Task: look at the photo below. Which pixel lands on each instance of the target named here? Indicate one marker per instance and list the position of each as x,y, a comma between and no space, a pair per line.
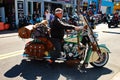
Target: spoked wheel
103,59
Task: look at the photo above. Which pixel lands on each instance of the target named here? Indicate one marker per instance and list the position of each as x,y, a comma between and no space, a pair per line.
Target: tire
101,61
109,26
116,25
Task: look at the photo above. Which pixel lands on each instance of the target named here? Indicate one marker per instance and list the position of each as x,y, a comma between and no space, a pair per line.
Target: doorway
34,8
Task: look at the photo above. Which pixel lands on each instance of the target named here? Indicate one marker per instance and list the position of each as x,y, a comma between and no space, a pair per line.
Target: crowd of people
92,18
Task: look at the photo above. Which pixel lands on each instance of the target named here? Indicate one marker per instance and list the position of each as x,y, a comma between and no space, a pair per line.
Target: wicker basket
25,32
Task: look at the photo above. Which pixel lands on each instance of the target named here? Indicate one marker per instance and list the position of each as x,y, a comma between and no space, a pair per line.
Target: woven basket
25,32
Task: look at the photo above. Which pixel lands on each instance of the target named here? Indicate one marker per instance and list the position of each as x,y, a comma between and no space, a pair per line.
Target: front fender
93,55
105,47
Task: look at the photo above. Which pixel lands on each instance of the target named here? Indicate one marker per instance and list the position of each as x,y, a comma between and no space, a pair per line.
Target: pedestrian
47,14
34,16
51,17
104,18
116,19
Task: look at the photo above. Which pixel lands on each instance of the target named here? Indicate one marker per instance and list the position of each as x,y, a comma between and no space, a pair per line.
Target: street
17,68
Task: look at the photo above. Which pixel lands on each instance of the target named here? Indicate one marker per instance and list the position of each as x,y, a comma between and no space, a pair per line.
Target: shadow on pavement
31,70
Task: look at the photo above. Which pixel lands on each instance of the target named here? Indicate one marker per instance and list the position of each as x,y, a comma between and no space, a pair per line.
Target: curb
8,35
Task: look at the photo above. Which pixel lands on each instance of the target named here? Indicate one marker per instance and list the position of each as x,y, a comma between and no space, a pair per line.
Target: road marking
116,77
11,54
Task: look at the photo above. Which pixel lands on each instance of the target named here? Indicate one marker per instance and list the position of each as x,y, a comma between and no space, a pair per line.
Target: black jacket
58,28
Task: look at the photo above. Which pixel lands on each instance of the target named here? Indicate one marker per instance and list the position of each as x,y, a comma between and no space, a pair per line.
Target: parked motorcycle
80,47
111,21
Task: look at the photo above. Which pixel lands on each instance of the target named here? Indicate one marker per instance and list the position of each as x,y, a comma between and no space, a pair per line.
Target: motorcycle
111,21
80,48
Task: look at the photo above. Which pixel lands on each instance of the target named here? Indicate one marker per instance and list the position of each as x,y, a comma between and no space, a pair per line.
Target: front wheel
102,60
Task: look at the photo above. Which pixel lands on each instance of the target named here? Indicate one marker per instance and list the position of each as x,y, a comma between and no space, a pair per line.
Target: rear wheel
102,60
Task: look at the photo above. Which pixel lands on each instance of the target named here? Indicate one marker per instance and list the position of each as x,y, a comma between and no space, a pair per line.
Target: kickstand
82,67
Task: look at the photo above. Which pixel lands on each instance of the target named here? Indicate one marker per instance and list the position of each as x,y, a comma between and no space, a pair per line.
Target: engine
71,50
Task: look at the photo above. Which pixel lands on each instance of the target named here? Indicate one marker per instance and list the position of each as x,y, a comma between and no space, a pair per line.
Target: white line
11,54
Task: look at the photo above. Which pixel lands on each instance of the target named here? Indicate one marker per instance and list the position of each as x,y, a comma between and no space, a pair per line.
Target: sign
20,9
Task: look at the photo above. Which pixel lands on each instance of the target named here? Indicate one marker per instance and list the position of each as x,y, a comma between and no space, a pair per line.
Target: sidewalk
8,33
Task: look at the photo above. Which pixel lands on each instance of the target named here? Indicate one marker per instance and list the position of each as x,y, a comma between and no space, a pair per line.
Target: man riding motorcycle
80,47
57,33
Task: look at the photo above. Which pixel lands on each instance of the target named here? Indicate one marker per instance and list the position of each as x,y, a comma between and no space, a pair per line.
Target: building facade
14,10
106,6
117,6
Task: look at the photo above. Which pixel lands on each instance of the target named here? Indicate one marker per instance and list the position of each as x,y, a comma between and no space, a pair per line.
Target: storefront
107,7
14,10
66,5
117,7
31,7
7,12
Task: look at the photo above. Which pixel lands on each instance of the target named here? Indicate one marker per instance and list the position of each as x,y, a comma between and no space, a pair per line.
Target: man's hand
81,28
77,28
85,27
68,31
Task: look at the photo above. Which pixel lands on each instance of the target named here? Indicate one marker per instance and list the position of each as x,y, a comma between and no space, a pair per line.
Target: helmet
59,12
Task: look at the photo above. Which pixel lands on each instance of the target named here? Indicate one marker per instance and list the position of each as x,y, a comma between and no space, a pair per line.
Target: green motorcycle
80,48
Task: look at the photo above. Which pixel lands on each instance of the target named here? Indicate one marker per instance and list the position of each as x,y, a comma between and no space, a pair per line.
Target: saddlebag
38,48
35,49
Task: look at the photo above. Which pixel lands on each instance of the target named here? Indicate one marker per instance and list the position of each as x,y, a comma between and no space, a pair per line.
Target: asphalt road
15,67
